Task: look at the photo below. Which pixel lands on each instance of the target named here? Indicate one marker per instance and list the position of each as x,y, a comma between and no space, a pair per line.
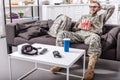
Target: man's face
94,8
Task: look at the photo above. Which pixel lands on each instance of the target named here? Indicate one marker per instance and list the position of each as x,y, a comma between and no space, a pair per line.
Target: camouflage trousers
89,38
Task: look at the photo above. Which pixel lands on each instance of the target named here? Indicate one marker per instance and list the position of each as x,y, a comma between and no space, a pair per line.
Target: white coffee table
67,60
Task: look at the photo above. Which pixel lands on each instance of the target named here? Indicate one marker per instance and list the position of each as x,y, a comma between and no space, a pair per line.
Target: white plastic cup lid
66,39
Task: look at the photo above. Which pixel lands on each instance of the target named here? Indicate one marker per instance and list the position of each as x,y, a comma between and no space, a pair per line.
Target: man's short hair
96,3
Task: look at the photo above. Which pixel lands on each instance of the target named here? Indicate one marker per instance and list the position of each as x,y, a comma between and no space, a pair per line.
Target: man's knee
95,41
96,37
60,36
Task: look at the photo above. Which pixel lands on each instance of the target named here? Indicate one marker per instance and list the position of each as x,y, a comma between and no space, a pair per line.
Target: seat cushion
46,39
79,46
20,40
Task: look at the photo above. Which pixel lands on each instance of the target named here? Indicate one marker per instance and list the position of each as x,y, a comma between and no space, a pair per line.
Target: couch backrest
48,23
108,27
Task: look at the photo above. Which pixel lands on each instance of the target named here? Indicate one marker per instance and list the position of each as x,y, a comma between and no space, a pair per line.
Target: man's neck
93,14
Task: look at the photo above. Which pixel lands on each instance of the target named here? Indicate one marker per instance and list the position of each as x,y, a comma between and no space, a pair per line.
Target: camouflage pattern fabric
95,21
62,22
90,36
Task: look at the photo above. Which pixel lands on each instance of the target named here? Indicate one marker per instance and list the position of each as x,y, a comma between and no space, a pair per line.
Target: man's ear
99,8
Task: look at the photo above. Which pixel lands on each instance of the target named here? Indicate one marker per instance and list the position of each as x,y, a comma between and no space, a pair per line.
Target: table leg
10,67
67,73
83,66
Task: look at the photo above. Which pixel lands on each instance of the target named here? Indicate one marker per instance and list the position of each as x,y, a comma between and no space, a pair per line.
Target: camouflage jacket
97,21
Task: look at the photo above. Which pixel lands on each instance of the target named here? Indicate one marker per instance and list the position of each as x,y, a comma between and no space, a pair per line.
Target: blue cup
66,44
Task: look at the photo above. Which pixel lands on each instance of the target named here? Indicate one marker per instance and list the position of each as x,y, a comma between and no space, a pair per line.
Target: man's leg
74,38
94,52
89,74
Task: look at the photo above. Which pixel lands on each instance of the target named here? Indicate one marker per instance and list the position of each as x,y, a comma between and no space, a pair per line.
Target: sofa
110,38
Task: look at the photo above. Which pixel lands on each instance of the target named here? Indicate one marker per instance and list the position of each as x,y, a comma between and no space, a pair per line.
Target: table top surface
67,60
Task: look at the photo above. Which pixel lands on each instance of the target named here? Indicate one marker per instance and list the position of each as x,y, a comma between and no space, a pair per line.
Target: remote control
43,51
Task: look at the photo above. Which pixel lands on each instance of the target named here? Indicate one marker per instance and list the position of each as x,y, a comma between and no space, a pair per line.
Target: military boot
89,74
55,69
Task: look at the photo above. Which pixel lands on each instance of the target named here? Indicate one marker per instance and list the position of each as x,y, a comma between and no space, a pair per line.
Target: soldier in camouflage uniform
88,30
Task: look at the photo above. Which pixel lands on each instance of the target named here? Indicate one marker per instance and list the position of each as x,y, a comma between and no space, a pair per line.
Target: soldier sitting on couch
88,30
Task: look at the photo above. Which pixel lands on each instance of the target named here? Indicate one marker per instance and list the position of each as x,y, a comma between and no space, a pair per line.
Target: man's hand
84,24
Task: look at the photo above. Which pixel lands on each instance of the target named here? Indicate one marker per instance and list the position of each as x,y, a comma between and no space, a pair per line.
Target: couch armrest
118,48
10,33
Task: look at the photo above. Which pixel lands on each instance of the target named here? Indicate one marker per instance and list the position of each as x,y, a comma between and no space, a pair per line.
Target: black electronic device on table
56,54
29,50
43,51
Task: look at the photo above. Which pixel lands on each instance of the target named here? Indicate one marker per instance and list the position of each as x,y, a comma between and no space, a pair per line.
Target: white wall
4,69
1,19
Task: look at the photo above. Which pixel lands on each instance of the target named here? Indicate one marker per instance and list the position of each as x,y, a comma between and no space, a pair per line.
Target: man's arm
109,11
75,28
